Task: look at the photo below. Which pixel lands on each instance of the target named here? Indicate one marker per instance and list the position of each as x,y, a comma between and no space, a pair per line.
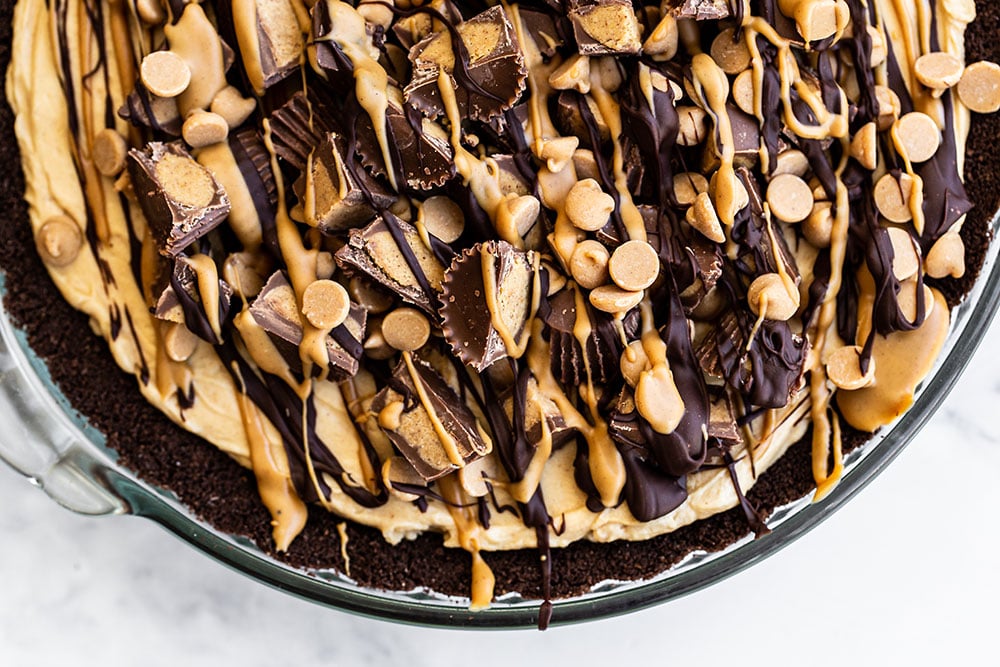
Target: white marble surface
906,574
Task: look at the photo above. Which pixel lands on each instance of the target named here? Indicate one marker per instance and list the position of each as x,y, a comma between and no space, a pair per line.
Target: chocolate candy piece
276,311
603,347
536,406
391,253
746,139
270,41
699,10
487,78
467,313
181,302
605,27
424,432
337,201
543,30
144,109
180,198
421,153
297,127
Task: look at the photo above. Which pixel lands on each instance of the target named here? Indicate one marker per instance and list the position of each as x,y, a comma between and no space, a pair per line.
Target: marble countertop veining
904,574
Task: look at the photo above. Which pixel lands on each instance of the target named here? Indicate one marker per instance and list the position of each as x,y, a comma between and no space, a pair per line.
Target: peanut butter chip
109,152
919,136
633,362
231,105
613,299
325,304
573,74
692,125
589,264
892,197
888,107
204,128
703,217
520,213
790,198
946,257
443,218
907,299
864,146
369,297
743,91
731,54
979,88
178,341
816,19
768,294
59,241
905,260
844,369
879,52
165,73
406,329
938,70
588,207
688,186
818,227
634,265
792,161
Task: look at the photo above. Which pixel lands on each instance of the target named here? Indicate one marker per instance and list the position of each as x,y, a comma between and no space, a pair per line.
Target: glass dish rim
84,477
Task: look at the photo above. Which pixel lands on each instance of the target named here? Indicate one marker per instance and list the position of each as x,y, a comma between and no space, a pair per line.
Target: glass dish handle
39,441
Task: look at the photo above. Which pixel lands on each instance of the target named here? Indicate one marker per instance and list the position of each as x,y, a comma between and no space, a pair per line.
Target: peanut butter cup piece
270,39
427,422
487,299
330,195
276,311
181,199
181,301
699,10
421,153
605,27
391,253
486,71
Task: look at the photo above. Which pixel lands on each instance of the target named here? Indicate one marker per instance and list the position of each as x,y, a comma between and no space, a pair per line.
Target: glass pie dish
48,442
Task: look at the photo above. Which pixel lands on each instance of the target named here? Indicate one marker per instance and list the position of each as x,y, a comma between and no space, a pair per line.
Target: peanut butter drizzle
902,360
371,83
196,40
481,175
270,466
606,465
243,216
468,532
712,85
523,490
610,113
656,395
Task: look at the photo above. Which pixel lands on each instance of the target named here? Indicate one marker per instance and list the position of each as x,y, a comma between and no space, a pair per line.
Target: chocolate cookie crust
224,495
